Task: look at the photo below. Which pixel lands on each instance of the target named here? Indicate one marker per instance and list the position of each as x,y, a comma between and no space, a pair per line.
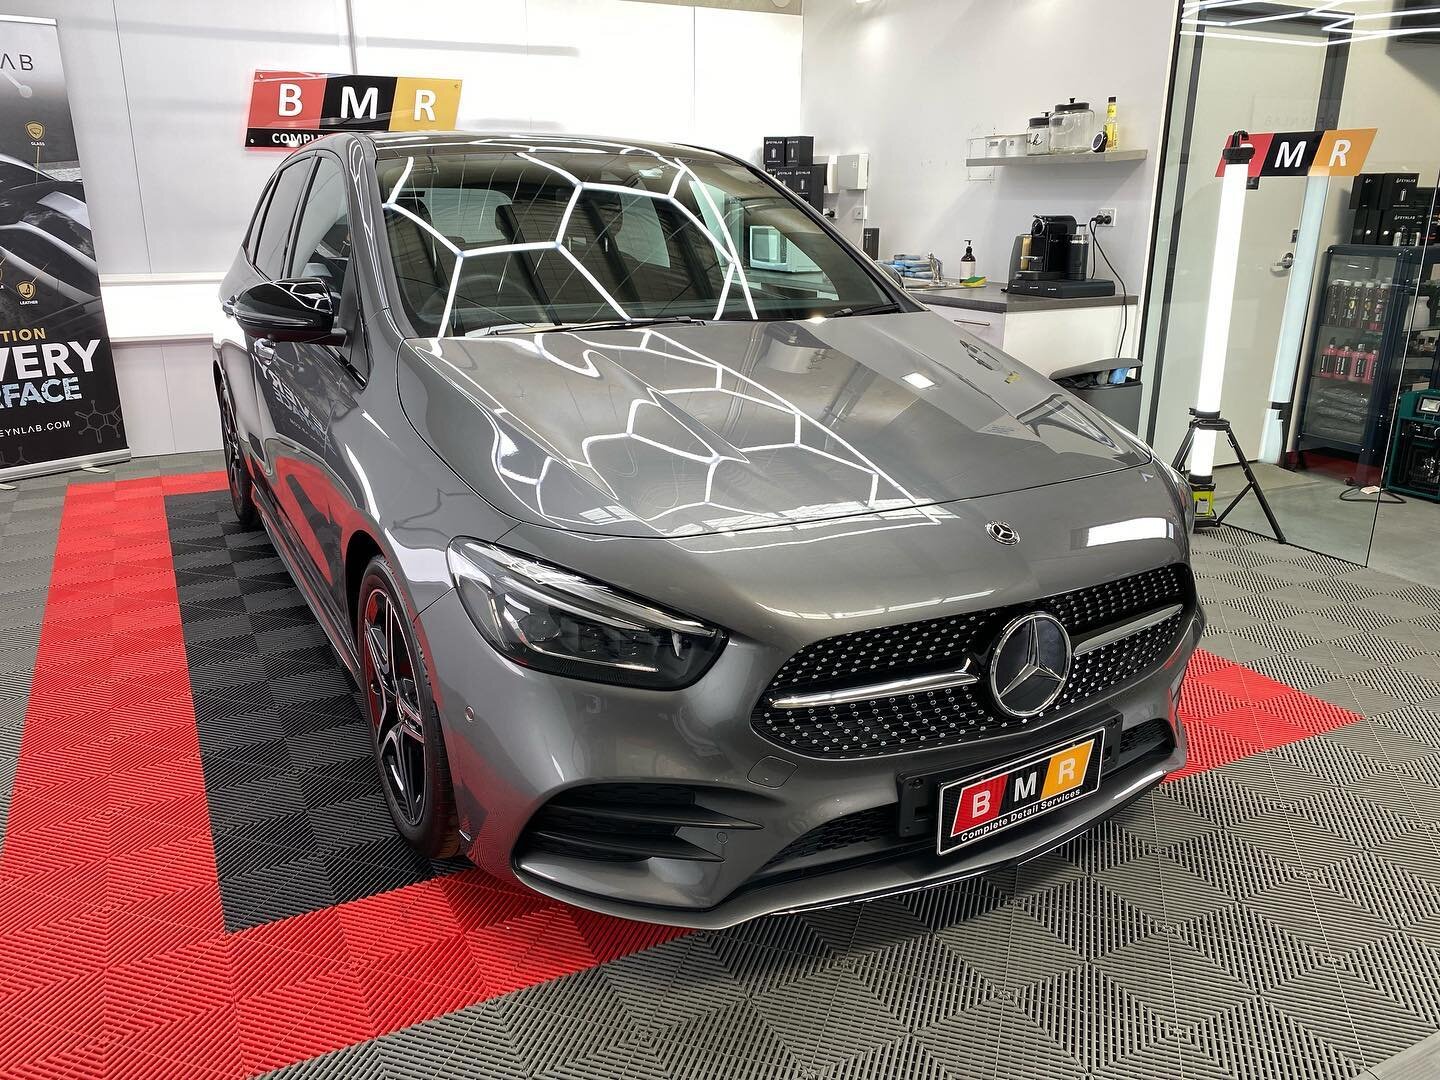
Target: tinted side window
322,244
252,232
270,249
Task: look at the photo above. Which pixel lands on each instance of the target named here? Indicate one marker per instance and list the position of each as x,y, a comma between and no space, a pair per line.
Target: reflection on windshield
506,234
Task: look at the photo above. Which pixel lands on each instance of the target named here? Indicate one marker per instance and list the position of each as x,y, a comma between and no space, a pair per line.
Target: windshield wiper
874,309
604,324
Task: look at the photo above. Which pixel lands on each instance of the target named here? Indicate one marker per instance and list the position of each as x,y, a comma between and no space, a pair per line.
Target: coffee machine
1053,260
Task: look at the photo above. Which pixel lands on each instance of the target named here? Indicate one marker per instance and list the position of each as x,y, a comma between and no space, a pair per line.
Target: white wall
160,91
910,81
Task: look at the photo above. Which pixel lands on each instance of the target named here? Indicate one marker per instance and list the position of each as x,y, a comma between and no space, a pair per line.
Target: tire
237,473
405,732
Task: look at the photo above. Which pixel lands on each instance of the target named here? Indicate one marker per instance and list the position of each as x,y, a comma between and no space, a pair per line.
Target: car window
279,216
257,219
322,243
25,256
572,235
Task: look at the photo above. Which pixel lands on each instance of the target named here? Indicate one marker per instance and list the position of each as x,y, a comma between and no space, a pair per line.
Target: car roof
394,143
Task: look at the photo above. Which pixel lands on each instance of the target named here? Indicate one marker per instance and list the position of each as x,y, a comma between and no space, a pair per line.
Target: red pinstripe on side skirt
114,960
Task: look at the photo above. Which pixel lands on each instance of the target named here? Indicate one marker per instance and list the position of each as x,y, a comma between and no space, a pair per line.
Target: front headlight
553,620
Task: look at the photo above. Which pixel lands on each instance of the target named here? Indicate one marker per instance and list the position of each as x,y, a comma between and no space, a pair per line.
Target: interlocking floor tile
1276,912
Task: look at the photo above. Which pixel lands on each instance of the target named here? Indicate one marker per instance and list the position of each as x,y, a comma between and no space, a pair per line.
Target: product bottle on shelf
1359,364
1327,360
1352,304
1377,310
1370,369
1334,301
1112,130
1342,362
1367,306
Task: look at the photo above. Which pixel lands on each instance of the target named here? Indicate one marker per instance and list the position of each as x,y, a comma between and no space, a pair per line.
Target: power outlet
859,213
1103,213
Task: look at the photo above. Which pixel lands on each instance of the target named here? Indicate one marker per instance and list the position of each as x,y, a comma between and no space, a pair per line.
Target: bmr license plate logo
972,809
291,108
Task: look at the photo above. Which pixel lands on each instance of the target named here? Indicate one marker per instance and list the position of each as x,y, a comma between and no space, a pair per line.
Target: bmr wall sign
1308,153
291,108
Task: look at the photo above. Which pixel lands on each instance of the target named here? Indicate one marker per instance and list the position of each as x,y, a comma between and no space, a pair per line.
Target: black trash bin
1091,384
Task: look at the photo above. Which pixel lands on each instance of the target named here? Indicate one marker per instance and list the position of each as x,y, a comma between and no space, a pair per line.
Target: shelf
1350,330
1110,157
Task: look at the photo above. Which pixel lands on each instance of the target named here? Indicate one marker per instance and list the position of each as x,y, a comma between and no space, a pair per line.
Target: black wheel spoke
395,707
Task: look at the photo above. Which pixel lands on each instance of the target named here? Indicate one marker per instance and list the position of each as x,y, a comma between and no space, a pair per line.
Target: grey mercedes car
690,570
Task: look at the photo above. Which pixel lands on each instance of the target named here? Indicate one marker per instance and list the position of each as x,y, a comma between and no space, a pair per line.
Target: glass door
1319,352
1405,529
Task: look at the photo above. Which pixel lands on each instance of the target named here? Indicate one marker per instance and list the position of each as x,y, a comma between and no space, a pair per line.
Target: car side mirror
290,309
890,272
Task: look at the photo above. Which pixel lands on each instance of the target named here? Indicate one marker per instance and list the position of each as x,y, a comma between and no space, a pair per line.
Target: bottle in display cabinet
1326,367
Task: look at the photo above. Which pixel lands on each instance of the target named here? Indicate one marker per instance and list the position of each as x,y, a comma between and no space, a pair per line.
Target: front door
307,388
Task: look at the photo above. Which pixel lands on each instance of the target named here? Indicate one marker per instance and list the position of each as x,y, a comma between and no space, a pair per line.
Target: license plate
977,807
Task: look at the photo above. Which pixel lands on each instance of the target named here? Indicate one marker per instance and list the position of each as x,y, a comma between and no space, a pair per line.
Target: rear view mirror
290,309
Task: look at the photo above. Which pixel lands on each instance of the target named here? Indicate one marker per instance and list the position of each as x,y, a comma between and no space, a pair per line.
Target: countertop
992,297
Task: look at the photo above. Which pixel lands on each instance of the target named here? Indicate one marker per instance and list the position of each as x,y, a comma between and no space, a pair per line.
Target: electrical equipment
1415,456
852,172
769,250
1053,261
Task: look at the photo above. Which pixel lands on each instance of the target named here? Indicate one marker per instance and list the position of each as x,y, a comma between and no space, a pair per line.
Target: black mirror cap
289,309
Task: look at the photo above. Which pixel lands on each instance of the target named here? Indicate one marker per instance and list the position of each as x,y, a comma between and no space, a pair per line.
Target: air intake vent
626,823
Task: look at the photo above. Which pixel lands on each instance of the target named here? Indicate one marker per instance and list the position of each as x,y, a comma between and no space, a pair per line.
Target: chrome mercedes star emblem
1030,664
1002,532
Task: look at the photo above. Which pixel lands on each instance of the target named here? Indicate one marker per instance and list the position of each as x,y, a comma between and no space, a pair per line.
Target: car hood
681,430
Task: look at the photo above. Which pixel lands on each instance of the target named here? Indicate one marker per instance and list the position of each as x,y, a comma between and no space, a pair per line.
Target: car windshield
505,237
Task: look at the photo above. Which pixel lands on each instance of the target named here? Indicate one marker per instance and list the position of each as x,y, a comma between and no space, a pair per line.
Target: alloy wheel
234,460
394,704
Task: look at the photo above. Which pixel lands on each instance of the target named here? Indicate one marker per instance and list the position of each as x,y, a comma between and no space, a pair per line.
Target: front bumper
517,739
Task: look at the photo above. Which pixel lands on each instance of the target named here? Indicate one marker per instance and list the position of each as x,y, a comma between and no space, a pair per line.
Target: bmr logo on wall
1308,153
291,108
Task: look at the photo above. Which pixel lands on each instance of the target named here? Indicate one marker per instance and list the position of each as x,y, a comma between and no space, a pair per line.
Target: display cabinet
1361,355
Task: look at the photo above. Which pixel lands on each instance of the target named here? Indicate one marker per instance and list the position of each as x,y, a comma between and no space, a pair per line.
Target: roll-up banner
59,406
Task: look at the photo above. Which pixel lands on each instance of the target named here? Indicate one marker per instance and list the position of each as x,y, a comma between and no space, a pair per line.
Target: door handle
264,349
1286,261
971,322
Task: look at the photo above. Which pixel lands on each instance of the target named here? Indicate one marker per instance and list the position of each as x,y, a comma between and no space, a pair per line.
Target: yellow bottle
1111,131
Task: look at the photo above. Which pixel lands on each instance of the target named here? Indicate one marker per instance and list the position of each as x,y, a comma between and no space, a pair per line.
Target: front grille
959,715
867,833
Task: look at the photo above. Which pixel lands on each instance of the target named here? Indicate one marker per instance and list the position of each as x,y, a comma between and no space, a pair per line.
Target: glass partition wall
1324,340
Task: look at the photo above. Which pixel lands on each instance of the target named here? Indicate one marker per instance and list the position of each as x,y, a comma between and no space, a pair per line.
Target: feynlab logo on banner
291,108
59,407
1308,153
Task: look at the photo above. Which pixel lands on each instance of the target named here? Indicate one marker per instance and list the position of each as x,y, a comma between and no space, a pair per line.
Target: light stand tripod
1198,446
1208,520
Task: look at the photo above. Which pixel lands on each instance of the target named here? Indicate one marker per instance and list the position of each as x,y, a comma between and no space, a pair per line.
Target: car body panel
681,430
389,443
